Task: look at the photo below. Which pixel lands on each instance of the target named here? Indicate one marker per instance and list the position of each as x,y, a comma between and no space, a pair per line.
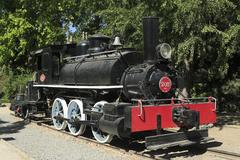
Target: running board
177,139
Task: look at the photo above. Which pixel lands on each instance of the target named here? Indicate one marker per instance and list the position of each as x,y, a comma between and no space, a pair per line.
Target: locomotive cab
48,62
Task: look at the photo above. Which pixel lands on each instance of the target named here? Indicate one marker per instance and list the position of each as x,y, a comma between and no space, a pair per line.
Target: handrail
185,100
141,108
90,55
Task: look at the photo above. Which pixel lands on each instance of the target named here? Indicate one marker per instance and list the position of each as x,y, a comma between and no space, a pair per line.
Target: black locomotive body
117,91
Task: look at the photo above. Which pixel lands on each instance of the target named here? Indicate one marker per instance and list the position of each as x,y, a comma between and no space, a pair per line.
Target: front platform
144,115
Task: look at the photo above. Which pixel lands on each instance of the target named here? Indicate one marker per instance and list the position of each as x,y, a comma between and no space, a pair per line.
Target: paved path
228,138
10,152
42,144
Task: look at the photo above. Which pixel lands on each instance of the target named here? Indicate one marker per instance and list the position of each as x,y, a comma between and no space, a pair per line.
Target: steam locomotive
116,91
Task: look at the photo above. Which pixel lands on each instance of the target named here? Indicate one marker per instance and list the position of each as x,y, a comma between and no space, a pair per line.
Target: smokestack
151,37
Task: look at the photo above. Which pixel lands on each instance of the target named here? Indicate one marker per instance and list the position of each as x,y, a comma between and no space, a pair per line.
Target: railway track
136,148
117,145
124,149
224,154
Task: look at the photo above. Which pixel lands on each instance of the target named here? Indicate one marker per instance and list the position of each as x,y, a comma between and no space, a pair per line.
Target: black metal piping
151,37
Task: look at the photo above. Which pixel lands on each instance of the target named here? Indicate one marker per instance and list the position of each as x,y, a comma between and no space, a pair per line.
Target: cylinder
115,127
151,37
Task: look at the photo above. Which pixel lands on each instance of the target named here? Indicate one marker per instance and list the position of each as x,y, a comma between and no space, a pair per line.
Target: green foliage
231,95
14,39
26,25
204,36
13,83
124,22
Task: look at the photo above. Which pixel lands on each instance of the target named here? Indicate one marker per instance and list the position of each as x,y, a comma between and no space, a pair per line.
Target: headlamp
164,50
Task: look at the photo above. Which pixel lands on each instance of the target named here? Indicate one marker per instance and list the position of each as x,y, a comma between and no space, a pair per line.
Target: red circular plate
165,84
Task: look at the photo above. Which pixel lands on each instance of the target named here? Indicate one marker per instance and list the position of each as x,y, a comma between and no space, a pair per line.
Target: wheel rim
75,112
100,136
25,113
59,108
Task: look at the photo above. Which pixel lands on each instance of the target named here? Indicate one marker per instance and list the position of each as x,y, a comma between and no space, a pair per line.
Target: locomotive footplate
177,139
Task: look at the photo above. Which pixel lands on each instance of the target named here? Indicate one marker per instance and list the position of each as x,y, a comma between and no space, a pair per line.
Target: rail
173,101
222,152
117,145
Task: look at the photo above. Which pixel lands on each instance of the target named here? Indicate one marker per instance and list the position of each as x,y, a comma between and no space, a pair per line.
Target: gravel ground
229,137
42,144
10,152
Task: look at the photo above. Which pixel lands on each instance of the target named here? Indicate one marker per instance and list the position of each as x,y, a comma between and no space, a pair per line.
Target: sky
71,28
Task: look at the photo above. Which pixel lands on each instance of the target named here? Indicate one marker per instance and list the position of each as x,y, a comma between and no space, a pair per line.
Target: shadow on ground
3,122
172,152
9,128
189,151
228,119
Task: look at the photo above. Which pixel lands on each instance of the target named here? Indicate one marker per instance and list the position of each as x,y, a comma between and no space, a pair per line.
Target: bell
117,42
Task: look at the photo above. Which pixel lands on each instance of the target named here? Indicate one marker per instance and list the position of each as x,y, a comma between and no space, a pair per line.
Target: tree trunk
185,82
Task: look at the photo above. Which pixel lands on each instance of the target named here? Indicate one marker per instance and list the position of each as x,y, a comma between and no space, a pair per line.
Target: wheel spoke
75,113
58,110
100,136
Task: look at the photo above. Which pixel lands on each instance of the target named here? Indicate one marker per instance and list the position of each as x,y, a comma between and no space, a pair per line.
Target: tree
26,25
30,24
204,36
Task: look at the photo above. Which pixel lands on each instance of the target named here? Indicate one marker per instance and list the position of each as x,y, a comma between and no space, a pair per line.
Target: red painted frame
144,118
